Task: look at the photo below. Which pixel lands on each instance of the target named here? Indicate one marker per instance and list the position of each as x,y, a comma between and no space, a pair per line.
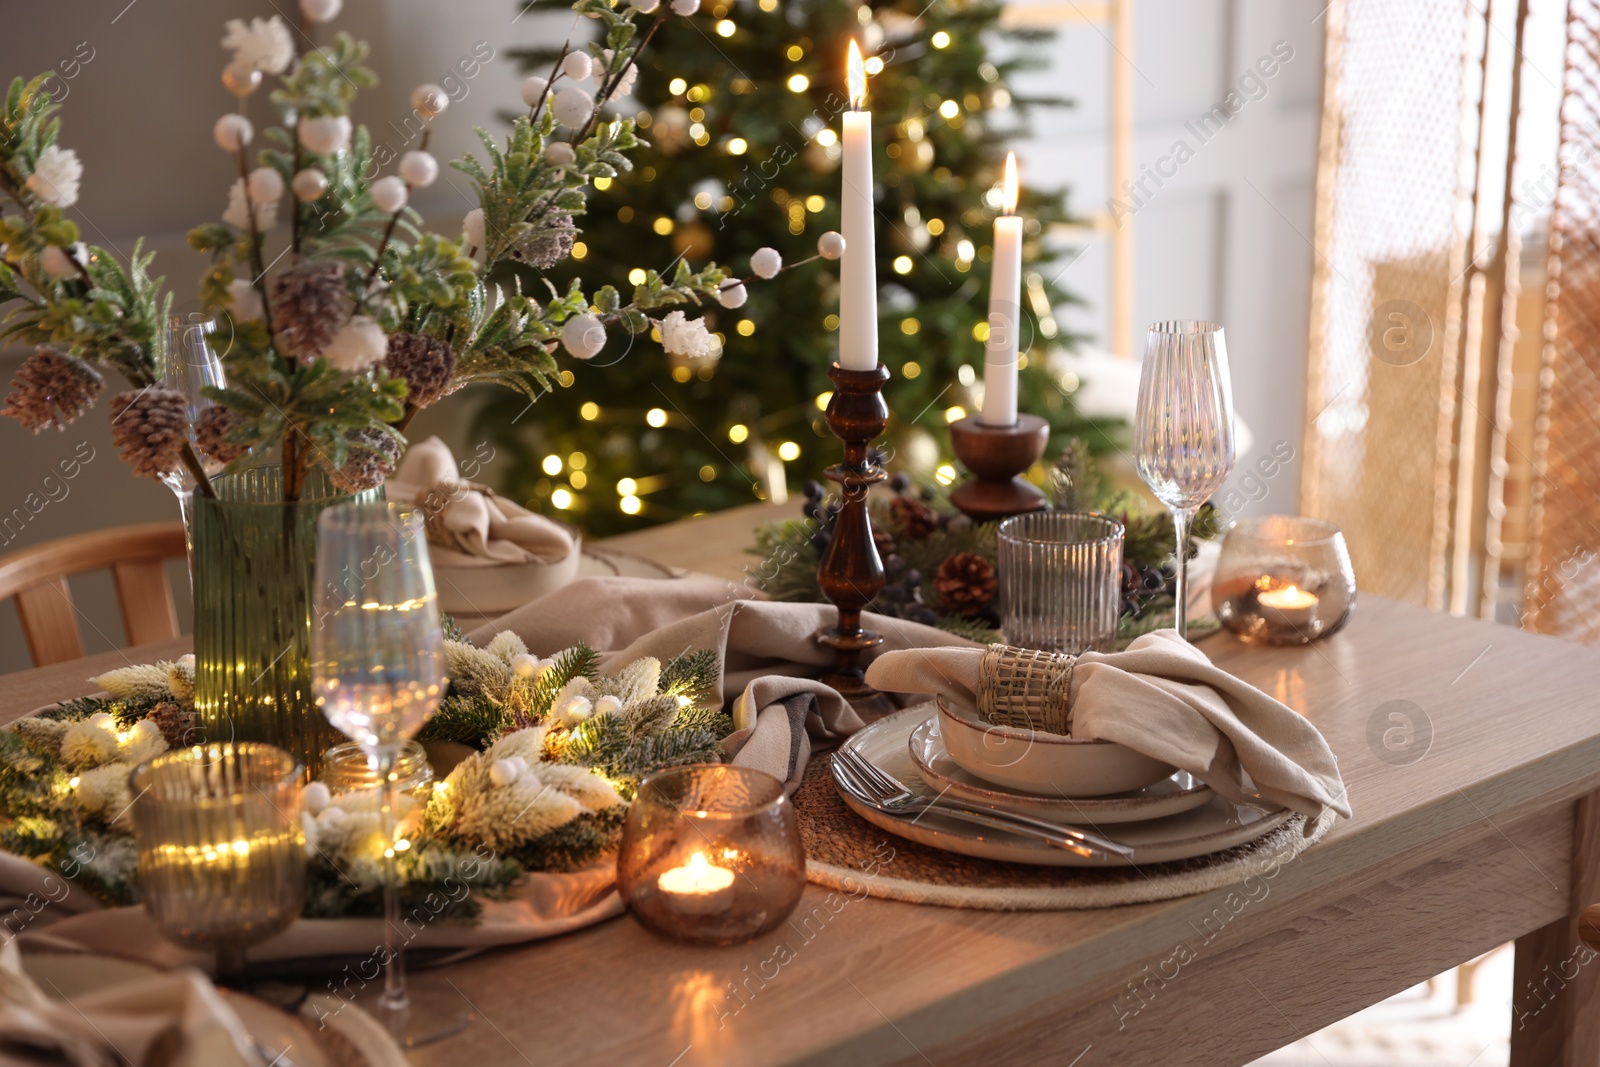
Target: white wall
1225,238
1228,237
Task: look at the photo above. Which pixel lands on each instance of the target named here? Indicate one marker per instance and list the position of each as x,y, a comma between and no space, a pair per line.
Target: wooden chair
37,578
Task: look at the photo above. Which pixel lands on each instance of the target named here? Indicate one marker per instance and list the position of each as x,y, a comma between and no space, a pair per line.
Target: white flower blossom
324,134
685,337
140,742
359,344
88,744
55,176
260,44
240,209
244,300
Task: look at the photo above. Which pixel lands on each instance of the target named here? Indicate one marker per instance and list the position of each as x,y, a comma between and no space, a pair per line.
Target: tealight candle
1288,606
699,887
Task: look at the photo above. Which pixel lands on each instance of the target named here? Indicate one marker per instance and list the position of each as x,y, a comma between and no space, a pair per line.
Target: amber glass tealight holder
1283,580
711,854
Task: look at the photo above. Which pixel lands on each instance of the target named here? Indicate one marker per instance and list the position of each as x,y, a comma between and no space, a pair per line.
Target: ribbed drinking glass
1183,428
1060,581
378,669
188,365
222,862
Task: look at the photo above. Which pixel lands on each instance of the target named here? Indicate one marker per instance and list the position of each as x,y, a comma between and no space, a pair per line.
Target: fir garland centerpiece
942,567
551,750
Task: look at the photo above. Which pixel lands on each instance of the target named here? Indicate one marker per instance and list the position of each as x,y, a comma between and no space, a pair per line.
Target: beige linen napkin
468,526
178,1011
768,654
1162,697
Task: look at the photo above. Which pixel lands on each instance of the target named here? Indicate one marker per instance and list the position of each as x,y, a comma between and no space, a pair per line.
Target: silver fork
850,782
892,793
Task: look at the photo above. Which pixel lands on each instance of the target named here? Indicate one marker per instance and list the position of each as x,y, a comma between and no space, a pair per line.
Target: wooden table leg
1556,989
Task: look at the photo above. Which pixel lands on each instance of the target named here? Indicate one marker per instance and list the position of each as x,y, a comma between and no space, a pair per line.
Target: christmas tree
741,106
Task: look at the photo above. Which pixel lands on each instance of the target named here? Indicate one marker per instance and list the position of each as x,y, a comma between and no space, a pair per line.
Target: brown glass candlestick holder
851,574
997,455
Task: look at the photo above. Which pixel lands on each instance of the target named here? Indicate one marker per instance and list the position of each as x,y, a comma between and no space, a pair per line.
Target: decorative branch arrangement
333,342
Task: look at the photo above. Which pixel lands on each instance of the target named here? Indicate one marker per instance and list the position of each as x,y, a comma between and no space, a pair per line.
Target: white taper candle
858,269
1005,312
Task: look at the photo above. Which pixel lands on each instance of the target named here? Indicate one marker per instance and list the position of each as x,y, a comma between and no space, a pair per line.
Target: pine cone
150,427
373,456
178,724
52,389
966,584
211,430
425,362
548,245
309,304
913,517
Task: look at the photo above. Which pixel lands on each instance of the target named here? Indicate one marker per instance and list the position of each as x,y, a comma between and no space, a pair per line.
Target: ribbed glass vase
254,558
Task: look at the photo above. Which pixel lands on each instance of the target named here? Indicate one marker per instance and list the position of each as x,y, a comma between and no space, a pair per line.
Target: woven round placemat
845,852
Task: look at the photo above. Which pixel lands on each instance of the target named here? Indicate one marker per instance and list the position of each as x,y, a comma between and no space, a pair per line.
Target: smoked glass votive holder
1060,581
1283,580
711,854
222,862
347,768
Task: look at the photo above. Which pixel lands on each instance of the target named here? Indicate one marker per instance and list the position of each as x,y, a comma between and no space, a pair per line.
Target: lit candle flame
1010,201
856,77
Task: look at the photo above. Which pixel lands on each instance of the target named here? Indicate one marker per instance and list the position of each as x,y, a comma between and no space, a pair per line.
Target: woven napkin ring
435,499
1026,688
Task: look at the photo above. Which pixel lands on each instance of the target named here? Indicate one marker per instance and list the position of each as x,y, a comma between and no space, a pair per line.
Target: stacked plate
1174,817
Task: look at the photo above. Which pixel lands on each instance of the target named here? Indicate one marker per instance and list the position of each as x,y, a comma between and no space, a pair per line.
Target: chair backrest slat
37,578
148,611
49,622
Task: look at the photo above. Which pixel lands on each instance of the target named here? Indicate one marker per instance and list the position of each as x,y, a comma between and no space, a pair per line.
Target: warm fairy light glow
630,505
551,465
590,410
1010,201
789,451
827,138
656,417
627,487
738,433
738,146
941,40
561,499
799,83
945,474
955,413
856,77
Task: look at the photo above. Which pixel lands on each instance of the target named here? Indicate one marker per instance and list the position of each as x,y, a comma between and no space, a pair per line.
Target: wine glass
1183,429
378,668
187,365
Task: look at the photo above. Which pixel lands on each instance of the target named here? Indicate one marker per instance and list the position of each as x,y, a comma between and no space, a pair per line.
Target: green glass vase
254,560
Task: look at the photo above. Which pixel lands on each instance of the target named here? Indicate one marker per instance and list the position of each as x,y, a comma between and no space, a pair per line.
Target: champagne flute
378,667
1183,429
187,365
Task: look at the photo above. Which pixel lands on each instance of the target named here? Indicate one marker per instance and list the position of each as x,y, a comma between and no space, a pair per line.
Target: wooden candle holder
996,455
851,573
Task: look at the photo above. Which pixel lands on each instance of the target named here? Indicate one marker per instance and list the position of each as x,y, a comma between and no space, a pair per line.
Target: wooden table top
1443,727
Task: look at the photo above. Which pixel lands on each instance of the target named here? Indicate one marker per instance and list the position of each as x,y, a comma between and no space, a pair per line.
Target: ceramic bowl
1048,764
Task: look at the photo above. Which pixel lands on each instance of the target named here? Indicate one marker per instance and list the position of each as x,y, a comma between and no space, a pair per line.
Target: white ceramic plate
1182,792
1212,827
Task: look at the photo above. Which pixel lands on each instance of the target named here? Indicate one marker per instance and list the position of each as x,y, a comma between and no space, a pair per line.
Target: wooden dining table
1471,753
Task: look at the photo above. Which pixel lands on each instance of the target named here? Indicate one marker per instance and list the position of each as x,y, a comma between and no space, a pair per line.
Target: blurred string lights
764,440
